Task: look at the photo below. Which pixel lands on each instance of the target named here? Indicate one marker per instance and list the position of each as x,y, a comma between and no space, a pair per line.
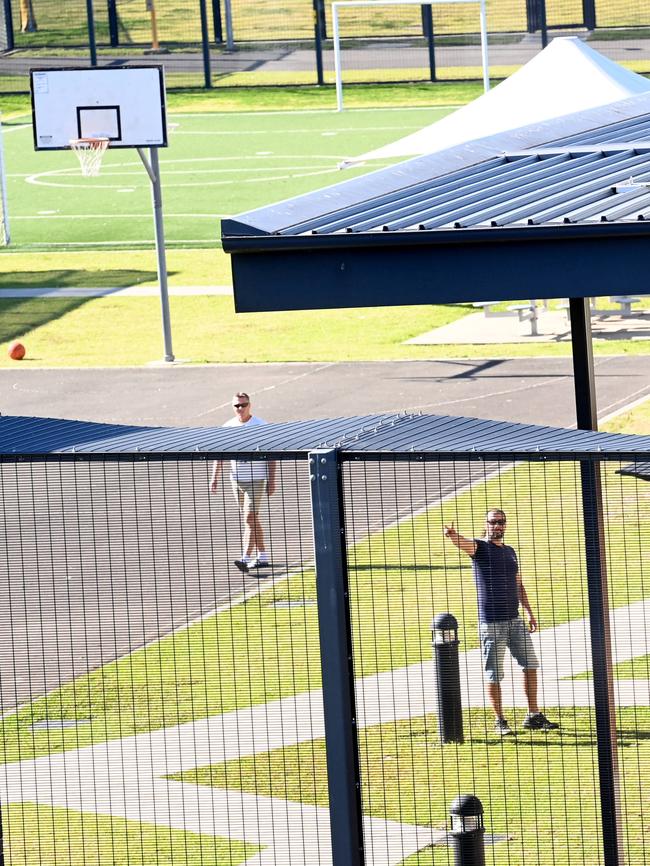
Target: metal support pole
427,28
583,364
601,655
92,44
216,21
444,638
484,48
343,775
337,57
230,39
467,831
153,170
205,44
319,14
113,24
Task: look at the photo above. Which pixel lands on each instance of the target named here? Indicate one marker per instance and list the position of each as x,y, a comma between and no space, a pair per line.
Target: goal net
416,40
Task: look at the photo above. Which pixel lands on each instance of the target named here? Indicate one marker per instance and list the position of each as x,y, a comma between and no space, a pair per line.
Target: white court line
402,127
120,216
36,180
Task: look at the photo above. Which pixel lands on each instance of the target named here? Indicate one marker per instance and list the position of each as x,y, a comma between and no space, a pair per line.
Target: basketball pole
153,170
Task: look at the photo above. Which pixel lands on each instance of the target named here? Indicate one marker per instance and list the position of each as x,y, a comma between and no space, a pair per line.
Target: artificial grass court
216,165
528,786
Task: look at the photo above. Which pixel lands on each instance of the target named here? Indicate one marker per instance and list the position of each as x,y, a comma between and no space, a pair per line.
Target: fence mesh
229,42
159,705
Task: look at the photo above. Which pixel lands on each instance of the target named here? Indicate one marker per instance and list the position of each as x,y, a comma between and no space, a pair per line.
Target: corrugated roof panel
392,433
635,129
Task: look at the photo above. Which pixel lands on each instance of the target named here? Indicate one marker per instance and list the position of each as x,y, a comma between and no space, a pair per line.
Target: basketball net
90,152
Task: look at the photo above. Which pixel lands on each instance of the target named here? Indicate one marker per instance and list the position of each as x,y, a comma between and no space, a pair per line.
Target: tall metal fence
215,43
159,705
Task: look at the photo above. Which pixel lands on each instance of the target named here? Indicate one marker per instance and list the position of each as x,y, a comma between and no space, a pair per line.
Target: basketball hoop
90,152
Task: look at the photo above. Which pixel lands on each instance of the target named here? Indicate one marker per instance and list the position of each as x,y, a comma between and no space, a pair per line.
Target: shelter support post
601,655
339,705
583,364
153,170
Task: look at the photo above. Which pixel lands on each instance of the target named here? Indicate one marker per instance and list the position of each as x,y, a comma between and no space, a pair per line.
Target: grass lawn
637,420
399,578
539,791
36,834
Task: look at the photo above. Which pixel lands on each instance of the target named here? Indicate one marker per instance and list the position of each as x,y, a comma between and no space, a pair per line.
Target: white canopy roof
565,77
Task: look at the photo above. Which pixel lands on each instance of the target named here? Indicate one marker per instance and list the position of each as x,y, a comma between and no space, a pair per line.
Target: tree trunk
27,17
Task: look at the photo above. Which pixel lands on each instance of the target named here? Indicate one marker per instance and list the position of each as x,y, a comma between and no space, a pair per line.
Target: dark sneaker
539,722
502,728
242,565
262,563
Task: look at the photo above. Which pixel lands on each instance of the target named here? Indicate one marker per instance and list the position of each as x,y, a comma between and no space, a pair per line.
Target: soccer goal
336,36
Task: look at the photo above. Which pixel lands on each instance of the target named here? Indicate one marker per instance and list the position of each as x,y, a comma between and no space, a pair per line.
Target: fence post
532,19
427,29
216,21
92,45
113,24
339,709
601,656
205,45
319,16
7,35
542,22
589,14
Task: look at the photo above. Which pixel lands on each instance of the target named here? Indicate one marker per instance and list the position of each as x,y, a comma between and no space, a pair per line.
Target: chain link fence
215,43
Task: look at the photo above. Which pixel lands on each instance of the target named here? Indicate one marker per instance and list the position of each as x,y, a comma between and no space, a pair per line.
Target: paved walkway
125,777
552,327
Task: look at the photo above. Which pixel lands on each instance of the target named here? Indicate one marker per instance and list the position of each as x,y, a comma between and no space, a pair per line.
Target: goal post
336,36
5,235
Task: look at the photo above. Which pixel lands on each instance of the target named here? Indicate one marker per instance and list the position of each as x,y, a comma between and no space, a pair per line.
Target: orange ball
16,351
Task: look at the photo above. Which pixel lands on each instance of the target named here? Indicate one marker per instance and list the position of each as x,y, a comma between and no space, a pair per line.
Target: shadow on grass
117,278
20,316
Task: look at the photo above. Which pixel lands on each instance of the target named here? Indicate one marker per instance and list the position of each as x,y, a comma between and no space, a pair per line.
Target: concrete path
125,777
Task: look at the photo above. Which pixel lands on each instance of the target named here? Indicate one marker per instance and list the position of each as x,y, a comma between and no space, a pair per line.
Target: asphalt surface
528,390
100,559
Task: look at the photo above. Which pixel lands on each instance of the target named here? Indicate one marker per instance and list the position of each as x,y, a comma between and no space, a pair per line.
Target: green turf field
216,165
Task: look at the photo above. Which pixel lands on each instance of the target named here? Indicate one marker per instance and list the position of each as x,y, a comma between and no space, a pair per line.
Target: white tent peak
567,76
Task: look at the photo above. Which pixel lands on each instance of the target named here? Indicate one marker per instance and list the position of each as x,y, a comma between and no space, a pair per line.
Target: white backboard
125,104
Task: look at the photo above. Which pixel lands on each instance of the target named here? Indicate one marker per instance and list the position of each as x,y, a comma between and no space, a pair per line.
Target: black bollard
444,639
467,831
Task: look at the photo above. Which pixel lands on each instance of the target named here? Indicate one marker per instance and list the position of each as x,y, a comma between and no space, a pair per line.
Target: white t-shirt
247,470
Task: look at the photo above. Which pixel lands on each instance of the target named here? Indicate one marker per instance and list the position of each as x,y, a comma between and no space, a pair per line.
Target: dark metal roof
638,470
396,434
491,218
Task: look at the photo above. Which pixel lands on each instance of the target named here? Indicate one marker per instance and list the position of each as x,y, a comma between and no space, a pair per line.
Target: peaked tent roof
567,76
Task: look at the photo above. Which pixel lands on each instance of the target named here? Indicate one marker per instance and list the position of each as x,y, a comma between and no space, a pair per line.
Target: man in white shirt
250,480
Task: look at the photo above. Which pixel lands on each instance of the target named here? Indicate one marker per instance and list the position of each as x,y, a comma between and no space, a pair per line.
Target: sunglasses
497,522
239,405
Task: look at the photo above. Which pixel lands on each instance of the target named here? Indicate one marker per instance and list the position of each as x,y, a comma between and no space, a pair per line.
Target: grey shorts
495,637
249,495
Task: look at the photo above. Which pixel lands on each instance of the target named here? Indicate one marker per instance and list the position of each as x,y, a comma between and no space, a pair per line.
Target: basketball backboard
125,104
